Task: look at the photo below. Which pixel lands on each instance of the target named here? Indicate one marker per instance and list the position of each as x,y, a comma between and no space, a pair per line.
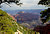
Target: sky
27,4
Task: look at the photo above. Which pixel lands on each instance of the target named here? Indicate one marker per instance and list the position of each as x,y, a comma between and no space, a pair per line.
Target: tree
10,1
44,2
45,15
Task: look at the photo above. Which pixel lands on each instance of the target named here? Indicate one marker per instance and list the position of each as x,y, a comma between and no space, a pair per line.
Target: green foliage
9,26
45,15
44,2
6,24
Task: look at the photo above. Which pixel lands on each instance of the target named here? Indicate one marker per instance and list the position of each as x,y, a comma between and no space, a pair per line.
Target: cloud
30,1
27,4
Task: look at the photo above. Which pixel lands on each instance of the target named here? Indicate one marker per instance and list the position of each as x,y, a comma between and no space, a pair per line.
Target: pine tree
45,15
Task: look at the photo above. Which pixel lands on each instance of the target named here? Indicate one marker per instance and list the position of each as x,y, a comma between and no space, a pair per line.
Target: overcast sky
27,4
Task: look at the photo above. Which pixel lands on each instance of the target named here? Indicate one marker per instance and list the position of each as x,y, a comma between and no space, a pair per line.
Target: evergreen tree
45,15
44,2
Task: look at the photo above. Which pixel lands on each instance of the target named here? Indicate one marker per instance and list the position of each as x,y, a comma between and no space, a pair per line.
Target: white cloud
27,4
30,1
